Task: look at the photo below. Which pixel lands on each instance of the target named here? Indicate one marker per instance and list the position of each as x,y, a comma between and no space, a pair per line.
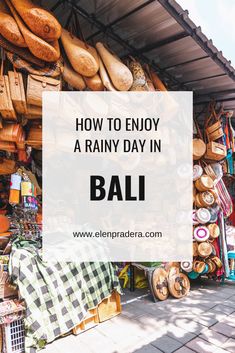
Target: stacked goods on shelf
211,200
19,220
31,63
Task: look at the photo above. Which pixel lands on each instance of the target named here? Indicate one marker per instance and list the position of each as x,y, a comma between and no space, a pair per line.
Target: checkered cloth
58,296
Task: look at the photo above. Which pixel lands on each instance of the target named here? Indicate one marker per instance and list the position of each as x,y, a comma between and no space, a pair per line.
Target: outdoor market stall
41,56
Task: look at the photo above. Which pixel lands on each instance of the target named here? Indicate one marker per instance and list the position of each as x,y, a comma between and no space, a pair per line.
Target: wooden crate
90,321
109,307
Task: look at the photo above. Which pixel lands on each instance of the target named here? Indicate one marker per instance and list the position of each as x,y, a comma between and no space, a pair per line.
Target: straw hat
217,261
204,249
199,266
201,233
211,266
195,249
194,218
205,270
186,266
179,285
159,284
213,230
203,215
213,213
197,172
204,183
207,198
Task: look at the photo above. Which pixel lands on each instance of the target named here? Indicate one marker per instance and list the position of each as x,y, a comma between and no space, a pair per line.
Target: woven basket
204,249
204,183
199,149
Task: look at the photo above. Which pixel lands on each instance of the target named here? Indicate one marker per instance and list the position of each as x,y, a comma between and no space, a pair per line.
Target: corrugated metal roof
159,32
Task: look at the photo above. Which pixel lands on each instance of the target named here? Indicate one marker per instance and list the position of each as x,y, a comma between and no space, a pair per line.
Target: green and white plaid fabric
58,295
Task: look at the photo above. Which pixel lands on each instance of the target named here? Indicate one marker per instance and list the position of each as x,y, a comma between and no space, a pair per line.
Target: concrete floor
203,322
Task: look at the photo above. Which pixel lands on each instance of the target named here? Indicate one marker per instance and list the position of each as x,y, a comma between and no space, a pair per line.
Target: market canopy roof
159,32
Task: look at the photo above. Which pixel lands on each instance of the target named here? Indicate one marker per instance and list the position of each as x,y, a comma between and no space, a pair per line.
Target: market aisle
202,322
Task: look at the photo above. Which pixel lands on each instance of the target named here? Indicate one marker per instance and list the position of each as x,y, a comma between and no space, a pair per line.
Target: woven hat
195,249
201,233
204,249
194,217
199,266
213,230
211,266
204,183
213,213
217,261
197,172
205,270
48,69
159,284
179,285
203,215
186,266
207,198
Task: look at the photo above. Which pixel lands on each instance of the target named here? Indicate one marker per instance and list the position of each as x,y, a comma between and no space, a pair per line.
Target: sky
217,21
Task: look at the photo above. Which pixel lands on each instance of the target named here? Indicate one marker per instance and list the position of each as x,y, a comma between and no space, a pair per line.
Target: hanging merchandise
38,46
36,85
7,110
199,266
33,112
11,132
199,146
82,57
203,215
34,138
204,183
17,91
73,78
215,151
40,21
149,82
7,146
8,27
4,224
7,166
27,188
213,126
201,233
197,172
225,199
139,79
186,266
24,53
213,230
15,186
25,65
158,84
119,73
204,249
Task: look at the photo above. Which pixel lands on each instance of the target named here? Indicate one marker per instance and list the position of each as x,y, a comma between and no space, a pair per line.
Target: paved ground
203,322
